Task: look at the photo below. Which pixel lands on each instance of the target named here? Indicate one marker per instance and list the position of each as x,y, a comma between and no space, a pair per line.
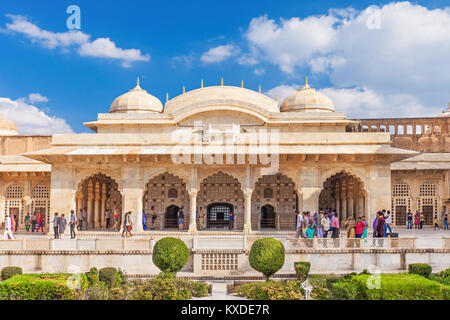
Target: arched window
400,189
427,189
173,193
14,192
268,193
40,192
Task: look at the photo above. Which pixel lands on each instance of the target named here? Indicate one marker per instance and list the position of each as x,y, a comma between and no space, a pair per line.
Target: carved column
90,205
248,210
103,207
97,205
193,210
80,201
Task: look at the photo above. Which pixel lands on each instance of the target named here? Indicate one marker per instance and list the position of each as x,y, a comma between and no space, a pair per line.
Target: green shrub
442,277
319,293
271,290
267,256
399,287
119,293
156,289
302,270
343,290
422,269
92,277
170,254
9,272
108,276
42,287
196,288
99,291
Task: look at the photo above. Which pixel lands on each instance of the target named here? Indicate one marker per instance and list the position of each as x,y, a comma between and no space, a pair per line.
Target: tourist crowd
326,222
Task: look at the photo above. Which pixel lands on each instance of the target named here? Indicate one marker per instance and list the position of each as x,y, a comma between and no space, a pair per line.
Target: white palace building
221,149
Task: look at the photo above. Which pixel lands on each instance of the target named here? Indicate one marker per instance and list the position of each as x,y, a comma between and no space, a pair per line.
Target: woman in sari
144,220
351,225
318,225
416,220
40,223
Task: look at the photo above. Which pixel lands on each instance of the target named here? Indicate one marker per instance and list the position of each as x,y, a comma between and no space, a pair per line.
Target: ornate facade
225,149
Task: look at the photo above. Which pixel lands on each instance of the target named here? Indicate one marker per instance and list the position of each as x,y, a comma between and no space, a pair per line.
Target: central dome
136,100
307,99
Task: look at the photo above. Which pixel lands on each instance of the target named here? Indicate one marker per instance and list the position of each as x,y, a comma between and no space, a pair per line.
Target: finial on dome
221,81
276,97
201,84
137,83
167,97
259,89
184,90
242,83
306,81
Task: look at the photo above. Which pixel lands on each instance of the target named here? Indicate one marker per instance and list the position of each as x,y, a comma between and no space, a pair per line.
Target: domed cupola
7,128
136,100
307,99
445,113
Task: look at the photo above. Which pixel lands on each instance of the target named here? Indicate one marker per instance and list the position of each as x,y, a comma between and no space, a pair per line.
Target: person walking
409,216
325,221
180,217
80,220
422,220
108,218
9,225
364,235
153,217
335,226
310,229
40,223
436,223
351,225
230,220
27,222
144,221
56,225
72,224
359,228
299,224
416,220
62,225
127,225
445,221
33,221
374,225
318,225
387,224
85,221
116,219
380,225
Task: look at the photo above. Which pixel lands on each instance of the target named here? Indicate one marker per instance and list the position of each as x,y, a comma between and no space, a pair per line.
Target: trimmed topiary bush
9,272
92,277
302,270
170,255
267,256
422,269
108,276
271,290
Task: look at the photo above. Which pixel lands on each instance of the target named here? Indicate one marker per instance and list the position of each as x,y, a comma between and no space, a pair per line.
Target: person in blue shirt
230,220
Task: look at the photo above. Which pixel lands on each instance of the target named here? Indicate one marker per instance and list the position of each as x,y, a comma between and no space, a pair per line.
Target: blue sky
386,71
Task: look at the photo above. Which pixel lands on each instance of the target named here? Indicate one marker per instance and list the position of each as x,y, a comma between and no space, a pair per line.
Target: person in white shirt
325,221
387,224
8,233
299,225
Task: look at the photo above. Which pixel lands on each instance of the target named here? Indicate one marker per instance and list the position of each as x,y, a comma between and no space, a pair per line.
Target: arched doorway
267,220
170,217
96,194
218,215
167,193
344,193
274,201
15,204
221,193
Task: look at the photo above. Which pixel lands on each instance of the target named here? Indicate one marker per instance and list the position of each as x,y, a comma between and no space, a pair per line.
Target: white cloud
101,47
282,91
183,60
219,54
30,119
259,71
36,97
407,56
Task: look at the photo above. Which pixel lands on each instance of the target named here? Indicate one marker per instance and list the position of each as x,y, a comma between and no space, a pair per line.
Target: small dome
445,113
307,99
7,128
136,100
